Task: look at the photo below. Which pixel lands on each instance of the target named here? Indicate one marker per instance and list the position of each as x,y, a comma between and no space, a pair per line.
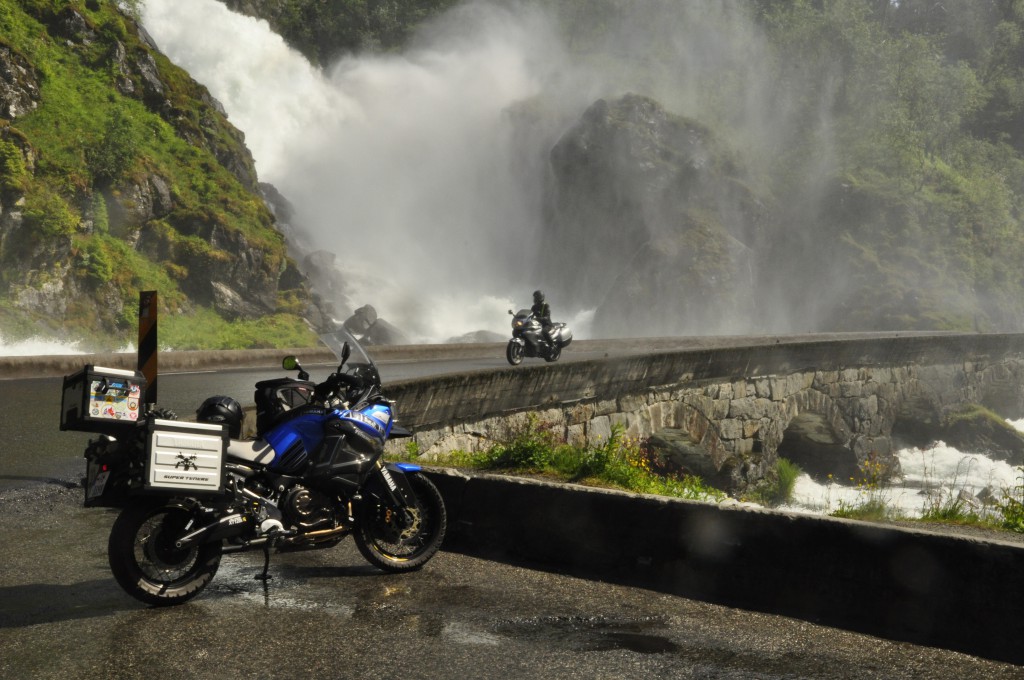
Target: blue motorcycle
193,491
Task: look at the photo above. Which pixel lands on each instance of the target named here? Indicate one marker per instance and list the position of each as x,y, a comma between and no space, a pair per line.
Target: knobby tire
145,562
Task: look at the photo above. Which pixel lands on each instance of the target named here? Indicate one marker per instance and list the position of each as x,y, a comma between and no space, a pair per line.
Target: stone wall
730,428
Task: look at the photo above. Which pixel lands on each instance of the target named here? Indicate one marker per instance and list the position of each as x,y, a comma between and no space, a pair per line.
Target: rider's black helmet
538,296
222,410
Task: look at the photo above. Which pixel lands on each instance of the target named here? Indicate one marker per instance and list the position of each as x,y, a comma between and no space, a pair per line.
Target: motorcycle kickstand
265,575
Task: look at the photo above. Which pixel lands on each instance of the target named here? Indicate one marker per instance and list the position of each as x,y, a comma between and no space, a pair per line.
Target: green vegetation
1011,506
972,412
100,138
887,137
206,330
534,448
944,506
889,147
925,116
872,484
777,489
323,31
620,462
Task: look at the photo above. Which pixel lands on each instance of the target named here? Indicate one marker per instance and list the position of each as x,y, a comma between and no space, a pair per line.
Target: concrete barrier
16,367
916,586
56,365
468,397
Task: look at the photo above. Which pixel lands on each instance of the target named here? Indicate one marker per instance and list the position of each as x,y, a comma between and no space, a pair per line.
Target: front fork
395,482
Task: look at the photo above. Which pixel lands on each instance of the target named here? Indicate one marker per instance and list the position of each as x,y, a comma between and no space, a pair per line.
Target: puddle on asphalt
463,634
236,580
594,634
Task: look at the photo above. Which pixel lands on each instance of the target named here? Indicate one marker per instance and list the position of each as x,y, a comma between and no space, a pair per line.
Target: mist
424,171
404,166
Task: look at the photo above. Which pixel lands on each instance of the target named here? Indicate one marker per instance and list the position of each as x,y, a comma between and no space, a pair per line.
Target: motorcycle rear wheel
514,353
145,561
390,541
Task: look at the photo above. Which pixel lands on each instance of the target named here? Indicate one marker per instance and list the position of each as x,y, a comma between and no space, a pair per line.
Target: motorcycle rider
542,312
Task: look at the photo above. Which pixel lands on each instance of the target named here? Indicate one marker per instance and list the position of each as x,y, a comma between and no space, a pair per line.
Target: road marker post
147,343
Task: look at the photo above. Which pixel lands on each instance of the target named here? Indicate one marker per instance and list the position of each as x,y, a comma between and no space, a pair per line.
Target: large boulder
372,330
385,333
975,428
361,321
650,222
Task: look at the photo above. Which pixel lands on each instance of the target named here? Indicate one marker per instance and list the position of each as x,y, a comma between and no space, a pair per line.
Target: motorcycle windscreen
359,362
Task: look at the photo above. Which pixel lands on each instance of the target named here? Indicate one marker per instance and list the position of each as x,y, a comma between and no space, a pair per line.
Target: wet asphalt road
327,614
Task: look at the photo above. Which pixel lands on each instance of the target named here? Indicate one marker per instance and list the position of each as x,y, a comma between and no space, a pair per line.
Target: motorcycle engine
306,508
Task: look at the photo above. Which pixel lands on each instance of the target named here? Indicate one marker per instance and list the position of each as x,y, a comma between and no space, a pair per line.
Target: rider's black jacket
542,312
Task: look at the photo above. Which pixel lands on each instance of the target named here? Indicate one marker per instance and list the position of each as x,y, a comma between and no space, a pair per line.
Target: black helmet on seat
224,410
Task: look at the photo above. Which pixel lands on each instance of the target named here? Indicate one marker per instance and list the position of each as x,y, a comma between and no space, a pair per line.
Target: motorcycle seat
254,451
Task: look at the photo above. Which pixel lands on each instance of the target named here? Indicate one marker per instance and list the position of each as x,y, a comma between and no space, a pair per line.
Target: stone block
850,389
700,402
603,407
426,439
762,388
730,428
599,431
765,408
632,402
576,434
850,375
579,413
636,426
744,447
824,378
743,408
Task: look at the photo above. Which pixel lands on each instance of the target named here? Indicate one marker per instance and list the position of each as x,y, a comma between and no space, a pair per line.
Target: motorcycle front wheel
147,564
514,353
403,539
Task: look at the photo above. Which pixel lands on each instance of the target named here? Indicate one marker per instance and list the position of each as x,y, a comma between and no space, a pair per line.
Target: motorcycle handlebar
349,379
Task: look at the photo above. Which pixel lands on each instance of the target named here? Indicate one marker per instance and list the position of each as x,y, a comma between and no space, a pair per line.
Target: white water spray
932,477
405,166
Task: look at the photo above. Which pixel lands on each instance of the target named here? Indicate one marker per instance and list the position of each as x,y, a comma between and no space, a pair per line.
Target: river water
932,477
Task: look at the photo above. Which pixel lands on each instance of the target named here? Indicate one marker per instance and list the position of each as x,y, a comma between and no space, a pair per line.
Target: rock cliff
119,173
653,213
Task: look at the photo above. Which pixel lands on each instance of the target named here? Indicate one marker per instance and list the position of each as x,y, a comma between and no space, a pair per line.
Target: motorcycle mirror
511,312
346,351
291,363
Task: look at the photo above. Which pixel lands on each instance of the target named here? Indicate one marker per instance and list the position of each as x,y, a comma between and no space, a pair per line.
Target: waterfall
407,166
